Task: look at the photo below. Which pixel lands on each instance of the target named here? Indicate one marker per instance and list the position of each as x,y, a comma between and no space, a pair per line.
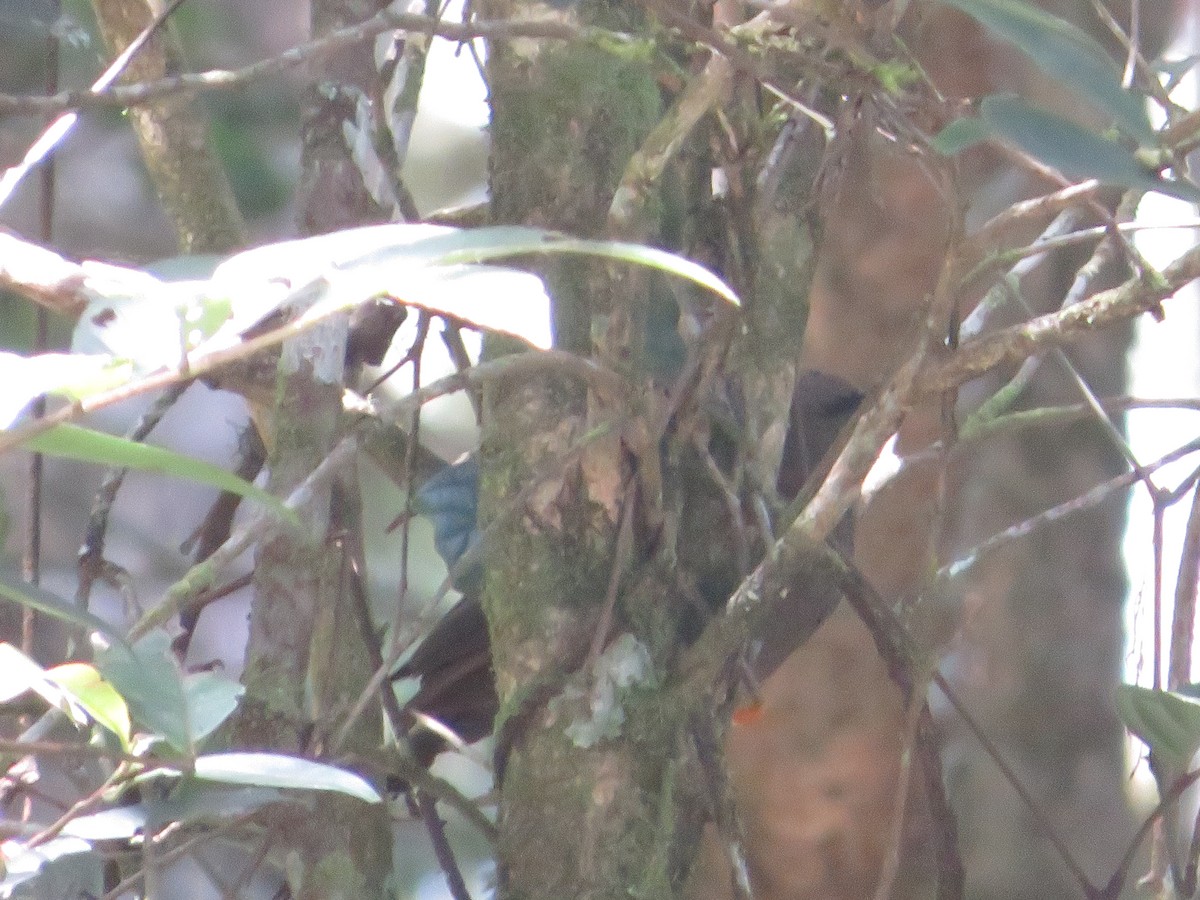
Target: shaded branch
312,51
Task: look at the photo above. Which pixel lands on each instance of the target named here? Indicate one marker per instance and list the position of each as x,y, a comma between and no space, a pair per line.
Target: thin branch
200,578
1183,623
1088,499
1116,883
436,828
951,874
1040,818
1058,329
90,561
917,707
313,51
53,135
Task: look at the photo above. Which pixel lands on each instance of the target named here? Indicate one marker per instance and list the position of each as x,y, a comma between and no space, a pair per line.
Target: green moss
571,121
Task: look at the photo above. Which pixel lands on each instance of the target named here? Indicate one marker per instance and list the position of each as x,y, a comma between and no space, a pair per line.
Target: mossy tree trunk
306,659
598,500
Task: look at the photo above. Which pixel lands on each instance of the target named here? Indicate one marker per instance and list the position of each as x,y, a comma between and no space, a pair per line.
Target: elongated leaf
1066,54
45,602
494,298
149,324
481,245
87,445
74,375
1169,723
18,673
279,771
1072,149
98,697
189,802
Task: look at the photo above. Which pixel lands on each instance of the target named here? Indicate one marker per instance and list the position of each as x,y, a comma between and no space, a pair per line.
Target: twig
436,828
1183,622
387,20
403,639
1092,497
1003,229
515,365
895,648
31,556
624,547
917,709
414,427
91,553
1112,890
1059,328
61,126
1040,818
951,874
200,577
169,856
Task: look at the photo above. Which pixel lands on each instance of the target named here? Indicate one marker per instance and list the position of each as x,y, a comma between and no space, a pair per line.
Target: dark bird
454,661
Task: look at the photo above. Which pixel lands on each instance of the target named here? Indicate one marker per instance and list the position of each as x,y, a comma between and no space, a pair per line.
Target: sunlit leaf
493,298
189,802
86,445
25,378
1072,149
43,601
1169,723
61,867
481,245
1065,53
279,771
18,673
145,321
97,697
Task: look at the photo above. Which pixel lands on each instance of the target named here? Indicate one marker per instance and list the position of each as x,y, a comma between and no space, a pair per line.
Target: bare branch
312,51
1058,329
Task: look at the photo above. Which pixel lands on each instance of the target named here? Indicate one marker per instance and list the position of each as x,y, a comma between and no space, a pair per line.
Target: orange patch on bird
750,714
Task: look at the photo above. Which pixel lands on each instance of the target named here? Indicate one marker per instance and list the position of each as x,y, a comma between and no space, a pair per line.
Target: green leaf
1072,149
1066,54
182,710
211,699
149,679
480,245
279,771
87,445
959,135
1169,723
45,602
98,698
